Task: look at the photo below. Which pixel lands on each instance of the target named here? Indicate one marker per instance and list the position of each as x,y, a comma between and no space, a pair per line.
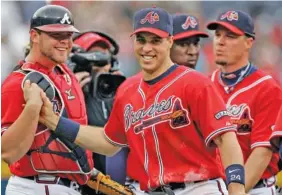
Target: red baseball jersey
253,106
68,95
169,126
277,132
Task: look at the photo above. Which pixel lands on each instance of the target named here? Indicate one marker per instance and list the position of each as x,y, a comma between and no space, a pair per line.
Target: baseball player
42,162
186,35
252,98
166,118
185,50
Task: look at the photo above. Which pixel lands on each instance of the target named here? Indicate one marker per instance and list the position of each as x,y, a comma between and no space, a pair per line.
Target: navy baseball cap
237,22
185,26
154,20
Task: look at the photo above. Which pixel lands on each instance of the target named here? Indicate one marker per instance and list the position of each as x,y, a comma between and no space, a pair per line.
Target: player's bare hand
83,78
32,94
47,115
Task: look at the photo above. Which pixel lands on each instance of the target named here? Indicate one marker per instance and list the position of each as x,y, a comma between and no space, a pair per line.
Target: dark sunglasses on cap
56,35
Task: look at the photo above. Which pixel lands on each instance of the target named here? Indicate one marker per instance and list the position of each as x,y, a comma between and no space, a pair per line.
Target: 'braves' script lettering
132,117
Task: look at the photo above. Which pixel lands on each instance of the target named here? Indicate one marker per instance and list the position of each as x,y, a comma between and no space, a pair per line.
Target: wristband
67,128
235,174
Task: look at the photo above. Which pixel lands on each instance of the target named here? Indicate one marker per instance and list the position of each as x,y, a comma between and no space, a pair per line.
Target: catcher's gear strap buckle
42,81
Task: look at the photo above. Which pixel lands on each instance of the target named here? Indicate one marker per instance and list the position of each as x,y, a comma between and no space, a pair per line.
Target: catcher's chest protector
50,153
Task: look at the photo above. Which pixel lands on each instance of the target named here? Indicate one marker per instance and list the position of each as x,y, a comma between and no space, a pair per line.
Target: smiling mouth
147,58
61,48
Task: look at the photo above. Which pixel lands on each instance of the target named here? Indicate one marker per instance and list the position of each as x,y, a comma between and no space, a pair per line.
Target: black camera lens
106,88
107,85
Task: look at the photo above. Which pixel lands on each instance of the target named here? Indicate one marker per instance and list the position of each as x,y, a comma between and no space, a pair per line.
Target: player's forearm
231,153
89,137
230,150
18,138
256,165
93,138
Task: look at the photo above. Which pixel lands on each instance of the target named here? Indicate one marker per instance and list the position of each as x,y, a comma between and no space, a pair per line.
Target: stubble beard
221,63
50,56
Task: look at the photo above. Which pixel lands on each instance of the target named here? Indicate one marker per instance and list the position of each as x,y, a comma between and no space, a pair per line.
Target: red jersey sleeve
277,131
114,129
266,109
12,101
209,112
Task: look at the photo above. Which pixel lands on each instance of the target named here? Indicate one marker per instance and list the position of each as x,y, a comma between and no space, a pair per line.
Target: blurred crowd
115,18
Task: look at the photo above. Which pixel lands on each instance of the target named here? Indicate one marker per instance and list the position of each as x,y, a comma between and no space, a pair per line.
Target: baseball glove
103,183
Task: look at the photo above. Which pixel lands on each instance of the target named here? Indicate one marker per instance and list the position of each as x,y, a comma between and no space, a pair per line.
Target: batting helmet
53,18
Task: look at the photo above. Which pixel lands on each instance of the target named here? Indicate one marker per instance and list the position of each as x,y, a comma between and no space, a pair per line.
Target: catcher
41,161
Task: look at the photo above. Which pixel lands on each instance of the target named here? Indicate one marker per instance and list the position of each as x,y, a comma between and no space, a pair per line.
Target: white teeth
147,57
61,49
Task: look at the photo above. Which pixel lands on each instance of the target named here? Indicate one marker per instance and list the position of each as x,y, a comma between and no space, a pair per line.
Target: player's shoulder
130,84
194,78
13,82
265,86
264,79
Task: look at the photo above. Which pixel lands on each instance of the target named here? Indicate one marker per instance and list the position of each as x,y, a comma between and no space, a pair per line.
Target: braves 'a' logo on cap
190,22
151,17
230,15
66,19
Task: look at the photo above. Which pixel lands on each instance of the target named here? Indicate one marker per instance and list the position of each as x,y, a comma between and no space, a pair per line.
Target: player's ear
34,36
170,40
249,42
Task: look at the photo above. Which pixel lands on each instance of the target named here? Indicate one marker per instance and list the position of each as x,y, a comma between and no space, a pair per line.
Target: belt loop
58,179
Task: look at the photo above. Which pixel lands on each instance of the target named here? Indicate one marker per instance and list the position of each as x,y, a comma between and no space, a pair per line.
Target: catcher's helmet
53,18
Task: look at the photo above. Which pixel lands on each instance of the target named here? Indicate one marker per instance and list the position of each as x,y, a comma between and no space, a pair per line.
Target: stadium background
115,18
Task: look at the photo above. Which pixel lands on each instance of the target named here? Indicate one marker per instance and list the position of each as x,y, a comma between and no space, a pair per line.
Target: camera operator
98,110
93,61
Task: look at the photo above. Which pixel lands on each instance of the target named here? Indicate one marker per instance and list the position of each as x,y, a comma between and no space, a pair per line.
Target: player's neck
42,60
228,68
152,75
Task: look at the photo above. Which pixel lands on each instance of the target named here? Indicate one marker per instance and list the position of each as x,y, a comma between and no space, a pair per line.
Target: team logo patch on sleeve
241,116
221,114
